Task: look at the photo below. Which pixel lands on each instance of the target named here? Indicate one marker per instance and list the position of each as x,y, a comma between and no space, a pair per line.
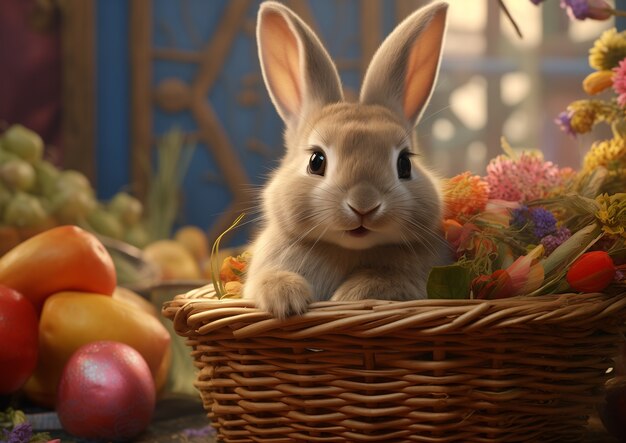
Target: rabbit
349,213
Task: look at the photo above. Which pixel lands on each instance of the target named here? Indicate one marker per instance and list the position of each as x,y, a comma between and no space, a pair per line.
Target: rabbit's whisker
302,236
418,234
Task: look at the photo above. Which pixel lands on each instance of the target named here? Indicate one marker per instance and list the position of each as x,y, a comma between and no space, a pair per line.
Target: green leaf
451,281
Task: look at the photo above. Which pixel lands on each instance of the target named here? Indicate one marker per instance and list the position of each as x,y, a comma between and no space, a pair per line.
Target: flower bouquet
529,227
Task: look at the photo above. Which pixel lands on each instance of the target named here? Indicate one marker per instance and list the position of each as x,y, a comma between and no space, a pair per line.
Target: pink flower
619,82
523,179
527,272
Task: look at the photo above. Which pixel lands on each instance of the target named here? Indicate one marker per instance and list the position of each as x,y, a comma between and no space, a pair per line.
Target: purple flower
21,433
544,222
520,217
537,222
583,9
564,120
553,241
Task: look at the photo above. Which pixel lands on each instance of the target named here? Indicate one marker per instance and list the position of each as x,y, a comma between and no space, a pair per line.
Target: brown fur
305,250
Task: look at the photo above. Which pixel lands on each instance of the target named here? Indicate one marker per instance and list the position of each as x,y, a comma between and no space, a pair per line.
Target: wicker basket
512,370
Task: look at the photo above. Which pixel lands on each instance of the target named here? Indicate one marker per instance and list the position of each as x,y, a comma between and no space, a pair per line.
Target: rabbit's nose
363,199
363,211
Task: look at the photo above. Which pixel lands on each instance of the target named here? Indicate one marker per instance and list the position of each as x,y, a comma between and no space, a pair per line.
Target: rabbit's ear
402,73
297,70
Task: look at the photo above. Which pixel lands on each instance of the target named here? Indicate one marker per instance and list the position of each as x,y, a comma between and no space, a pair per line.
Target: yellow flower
582,121
605,153
586,113
598,81
610,155
608,50
612,213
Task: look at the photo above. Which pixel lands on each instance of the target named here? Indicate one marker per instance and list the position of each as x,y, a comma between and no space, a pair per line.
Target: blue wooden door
205,79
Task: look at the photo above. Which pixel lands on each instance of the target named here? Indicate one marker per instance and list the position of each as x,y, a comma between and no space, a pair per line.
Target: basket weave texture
511,370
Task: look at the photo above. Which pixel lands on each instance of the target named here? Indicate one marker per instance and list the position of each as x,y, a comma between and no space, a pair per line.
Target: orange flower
464,195
232,269
598,81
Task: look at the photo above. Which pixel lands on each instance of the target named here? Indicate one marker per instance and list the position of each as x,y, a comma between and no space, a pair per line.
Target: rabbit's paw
281,293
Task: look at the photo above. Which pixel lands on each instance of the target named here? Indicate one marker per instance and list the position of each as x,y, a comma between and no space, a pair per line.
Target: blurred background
103,81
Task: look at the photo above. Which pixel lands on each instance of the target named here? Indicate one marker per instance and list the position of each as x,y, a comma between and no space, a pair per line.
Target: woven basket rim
194,313
539,360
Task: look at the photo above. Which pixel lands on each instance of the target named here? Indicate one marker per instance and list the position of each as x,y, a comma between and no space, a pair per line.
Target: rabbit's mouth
361,231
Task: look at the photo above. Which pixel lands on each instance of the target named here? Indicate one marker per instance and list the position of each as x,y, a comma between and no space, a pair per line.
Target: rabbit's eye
317,163
404,165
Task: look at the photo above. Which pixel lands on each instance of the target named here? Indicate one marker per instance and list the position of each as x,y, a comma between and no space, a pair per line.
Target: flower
564,121
583,9
537,221
598,81
512,244
544,222
526,178
591,272
605,153
523,276
526,272
612,213
465,238
581,115
611,155
619,82
464,195
608,50
21,433
233,268
552,241
520,217
491,287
